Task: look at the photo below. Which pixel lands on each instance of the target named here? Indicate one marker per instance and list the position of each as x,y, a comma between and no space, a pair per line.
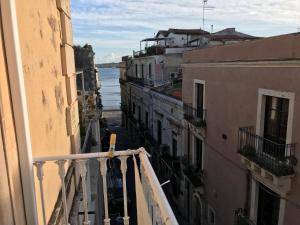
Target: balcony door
174,146
268,206
159,134
146,119
199,99
198,153
275,126
140,114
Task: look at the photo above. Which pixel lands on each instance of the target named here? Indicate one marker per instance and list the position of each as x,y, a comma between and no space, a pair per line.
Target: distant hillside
107,65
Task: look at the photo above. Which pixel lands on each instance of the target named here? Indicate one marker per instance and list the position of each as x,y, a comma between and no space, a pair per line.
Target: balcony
152,206
240,218
140,81
196,117
149,51
267,159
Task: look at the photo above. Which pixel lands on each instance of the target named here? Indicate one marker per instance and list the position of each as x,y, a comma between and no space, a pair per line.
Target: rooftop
165,33
174,90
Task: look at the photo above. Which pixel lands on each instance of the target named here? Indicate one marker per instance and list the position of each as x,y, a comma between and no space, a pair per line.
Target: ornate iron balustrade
240,218
194,116
158,209
278,159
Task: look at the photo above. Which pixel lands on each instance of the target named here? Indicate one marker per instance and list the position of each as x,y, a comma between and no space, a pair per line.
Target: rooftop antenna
204,8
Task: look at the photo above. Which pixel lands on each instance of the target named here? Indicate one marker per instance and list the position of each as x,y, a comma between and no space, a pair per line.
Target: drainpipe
20,112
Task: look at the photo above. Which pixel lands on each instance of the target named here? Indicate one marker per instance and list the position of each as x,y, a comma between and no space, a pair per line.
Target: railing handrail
250,132
162,201
151,181
277,158
86,155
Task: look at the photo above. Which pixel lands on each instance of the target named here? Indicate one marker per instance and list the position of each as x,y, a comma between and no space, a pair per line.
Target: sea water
110,88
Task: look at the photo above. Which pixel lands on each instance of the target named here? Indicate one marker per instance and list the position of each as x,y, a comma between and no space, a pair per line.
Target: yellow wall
48,64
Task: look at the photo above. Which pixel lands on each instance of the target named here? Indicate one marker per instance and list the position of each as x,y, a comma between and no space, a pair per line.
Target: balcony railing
140,81
149,51
151,200
278,159
196,116
240,218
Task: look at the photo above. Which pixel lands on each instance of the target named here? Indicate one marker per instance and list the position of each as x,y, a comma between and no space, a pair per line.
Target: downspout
20,112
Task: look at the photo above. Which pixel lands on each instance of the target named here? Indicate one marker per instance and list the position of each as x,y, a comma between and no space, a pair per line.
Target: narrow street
123,142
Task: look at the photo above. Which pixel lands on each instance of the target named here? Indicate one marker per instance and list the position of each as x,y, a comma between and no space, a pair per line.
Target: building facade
243,131
151,93
38,104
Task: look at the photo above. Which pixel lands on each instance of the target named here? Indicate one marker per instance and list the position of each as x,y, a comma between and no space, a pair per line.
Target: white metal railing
158,205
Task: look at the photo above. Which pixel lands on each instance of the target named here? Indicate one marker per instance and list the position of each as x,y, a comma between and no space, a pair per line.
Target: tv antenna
204,8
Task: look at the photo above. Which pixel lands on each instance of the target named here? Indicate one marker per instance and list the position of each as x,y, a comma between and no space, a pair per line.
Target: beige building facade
249,92
39,111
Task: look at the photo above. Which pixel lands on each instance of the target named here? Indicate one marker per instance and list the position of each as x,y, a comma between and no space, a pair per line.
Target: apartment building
151,94
242,134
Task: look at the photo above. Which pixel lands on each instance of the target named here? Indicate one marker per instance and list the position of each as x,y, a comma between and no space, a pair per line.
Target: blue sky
115,27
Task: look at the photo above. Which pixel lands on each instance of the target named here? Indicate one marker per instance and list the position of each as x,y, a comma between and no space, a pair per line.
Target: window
142,70
174,145
146,119
211,216
175,186
276,117
140,114
268,206
159,132
150,70
275,126
133,108
199,100
136,70
198,152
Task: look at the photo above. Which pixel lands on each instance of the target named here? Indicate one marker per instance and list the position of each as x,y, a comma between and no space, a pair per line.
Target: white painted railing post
124,171
40,175
83,172
103,171
158,219
62,174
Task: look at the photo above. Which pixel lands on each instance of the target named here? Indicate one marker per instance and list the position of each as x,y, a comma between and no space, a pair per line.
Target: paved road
123,142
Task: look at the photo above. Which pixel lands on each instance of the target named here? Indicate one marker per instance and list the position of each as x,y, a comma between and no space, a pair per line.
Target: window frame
195,91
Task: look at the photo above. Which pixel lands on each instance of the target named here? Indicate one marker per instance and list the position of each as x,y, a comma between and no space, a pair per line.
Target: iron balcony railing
196,116
149,51
278,159
148,191
140,81
241,218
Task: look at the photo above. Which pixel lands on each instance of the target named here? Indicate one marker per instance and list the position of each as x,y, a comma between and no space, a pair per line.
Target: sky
115,27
